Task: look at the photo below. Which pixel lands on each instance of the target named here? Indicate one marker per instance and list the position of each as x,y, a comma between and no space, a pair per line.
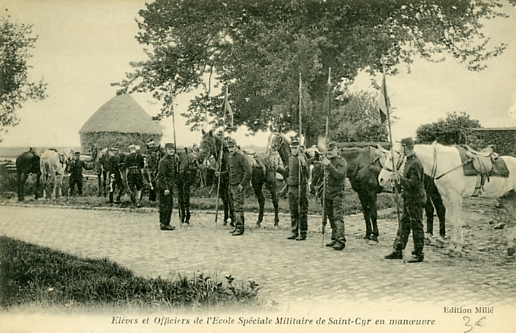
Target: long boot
239,224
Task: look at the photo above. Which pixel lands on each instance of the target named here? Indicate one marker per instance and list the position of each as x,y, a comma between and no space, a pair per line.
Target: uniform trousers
334,210
237,198
298,209
411,220
75,179
166,204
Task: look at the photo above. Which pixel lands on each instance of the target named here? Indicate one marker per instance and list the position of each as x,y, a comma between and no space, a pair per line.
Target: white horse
444,164
53,166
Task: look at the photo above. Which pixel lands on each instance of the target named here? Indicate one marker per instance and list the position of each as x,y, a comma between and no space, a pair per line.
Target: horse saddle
483,160
255,160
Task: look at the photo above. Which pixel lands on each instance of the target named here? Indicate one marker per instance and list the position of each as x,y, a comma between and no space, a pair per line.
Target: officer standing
335,168
76,177
414,199
239,176
134,164
297,191
114,174
167,173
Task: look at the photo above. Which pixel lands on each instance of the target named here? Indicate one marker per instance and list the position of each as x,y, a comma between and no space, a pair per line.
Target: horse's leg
19,177
373,211
257,187
187,203
508,202
453,204
366,211
226,201
105,182
45,184
180,202
272,186
99,180
36,195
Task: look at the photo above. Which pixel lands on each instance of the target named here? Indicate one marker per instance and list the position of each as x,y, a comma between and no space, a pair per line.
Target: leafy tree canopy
15,87
454,129
358,120
258,48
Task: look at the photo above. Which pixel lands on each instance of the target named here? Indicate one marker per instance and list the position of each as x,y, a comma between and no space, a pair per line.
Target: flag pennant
228,111
383,102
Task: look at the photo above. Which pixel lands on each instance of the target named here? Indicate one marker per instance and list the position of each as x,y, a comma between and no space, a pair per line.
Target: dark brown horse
263,174
27,163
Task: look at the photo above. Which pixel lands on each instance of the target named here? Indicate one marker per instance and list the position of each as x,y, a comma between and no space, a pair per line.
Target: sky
85,45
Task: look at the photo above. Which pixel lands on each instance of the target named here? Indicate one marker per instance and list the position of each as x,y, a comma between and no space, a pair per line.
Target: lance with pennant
325,150
221,153
386,103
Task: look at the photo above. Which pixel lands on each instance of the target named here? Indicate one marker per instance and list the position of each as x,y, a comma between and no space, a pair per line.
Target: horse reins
434,166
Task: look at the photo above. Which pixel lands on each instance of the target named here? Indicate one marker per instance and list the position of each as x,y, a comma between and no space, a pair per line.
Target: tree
454,129
358,120
258,48
15,87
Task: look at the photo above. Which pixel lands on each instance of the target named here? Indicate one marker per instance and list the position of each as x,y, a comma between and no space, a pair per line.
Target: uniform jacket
292,170
336,175
113,164
239,169
134,161
412,181
76,167
167,173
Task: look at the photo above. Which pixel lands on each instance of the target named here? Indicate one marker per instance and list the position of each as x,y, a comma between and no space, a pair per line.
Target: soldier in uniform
239,176
114,174
414,199
133,165
335,168
297,191
75,169
167,173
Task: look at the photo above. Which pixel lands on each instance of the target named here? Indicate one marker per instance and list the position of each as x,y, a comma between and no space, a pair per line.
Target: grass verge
39,276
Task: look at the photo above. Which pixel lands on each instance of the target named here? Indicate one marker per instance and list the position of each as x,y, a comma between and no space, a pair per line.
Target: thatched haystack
121,121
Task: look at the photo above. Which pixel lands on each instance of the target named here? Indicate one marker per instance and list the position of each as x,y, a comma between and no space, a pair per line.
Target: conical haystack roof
121,114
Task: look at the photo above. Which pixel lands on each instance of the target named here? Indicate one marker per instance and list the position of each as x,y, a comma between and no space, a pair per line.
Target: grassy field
40,277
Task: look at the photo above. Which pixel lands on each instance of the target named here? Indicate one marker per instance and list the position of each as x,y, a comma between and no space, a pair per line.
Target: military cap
114,147
407,142
331,145
151,143
77,153
231,142
169,145
294,142
132,147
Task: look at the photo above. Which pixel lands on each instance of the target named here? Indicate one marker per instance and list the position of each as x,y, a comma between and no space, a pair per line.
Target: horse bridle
275,145
401,159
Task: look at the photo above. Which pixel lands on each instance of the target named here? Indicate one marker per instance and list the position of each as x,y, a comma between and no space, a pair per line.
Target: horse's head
393,164
210,143
382,154
274,141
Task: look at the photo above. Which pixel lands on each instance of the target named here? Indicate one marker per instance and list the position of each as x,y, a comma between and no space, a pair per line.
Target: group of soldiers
413,193
121,167
162,180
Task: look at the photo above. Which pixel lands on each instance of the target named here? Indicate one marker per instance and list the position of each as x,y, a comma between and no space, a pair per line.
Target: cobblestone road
289,271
